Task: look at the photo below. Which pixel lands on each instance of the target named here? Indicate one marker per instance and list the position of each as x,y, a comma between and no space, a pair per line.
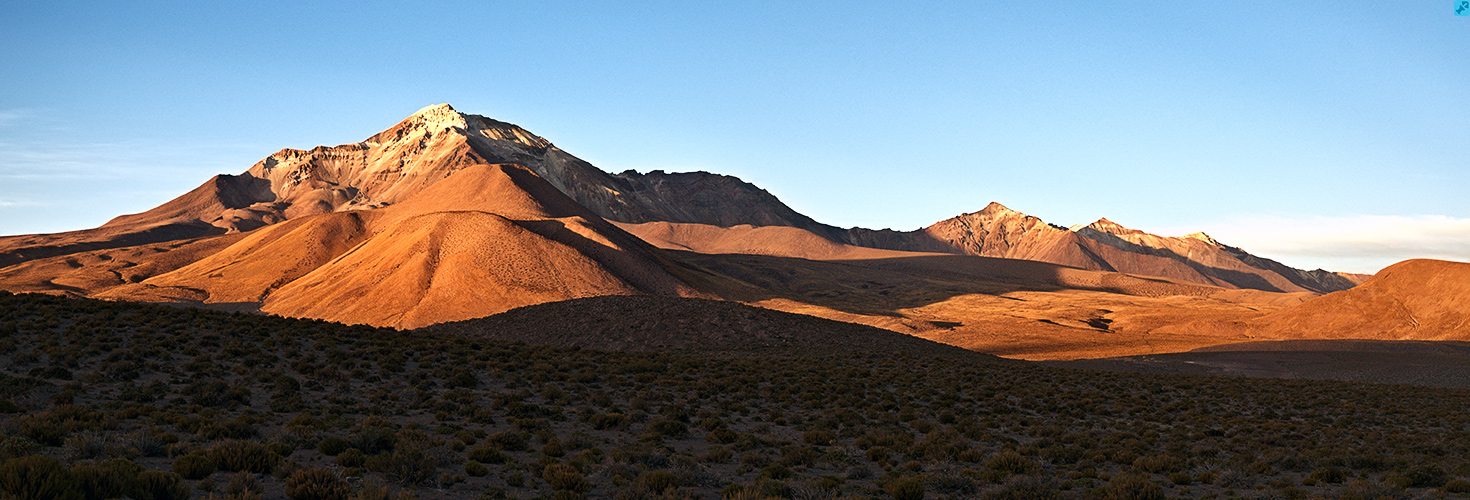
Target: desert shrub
1364,490
476,469
1132,487
17,446
907,488
670,428
51,427
722,435
776,471
553,448
158,485
1027,488
246,456
1426,476
194,466
462,378
561,477
1333,475
407,465
1181,478
716,454
352,457
373,437
316,484
658,481
1156,464
603,421
508,441
819,437
109,479
1010,462
486,454
1457,486
37,478
85,445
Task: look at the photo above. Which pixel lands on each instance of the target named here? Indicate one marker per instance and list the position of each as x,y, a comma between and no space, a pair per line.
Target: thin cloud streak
1359,243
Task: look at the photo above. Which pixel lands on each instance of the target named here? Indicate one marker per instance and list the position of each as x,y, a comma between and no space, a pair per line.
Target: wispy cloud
1358,243
12,116
6,203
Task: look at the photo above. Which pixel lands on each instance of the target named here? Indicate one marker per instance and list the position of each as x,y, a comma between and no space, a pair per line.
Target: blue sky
1322,134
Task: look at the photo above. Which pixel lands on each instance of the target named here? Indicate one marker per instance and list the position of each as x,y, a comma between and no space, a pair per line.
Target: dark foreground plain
110,399
1433,363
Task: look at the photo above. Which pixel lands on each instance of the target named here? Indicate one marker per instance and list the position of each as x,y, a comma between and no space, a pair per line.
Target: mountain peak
439,114
1107,226
1203,237
997,208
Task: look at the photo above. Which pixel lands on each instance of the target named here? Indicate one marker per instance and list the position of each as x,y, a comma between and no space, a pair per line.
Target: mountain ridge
436,141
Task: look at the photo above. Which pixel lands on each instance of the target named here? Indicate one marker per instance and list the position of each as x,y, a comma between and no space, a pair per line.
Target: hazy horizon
1319,138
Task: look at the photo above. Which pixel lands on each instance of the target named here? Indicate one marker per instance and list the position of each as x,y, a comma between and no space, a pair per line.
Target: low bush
316,484
109,479
194,466
158,485
332,446
486,454
351,458
1010,462
37,477
658,481
1132,487
908,488
407,465
246,456
561,477
819,437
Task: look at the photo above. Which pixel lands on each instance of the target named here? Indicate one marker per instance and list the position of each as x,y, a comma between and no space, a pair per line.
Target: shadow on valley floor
1427,363
885,286
692,326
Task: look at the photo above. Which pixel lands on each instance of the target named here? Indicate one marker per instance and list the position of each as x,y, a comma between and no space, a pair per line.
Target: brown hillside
512,241
1417,299
778,241
193,215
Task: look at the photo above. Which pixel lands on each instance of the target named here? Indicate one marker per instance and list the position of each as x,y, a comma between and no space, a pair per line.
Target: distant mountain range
434,143
448,216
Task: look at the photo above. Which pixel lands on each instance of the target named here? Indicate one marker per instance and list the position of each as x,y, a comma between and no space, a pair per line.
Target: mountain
392,166
437,141
447,216
997,231
487,239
